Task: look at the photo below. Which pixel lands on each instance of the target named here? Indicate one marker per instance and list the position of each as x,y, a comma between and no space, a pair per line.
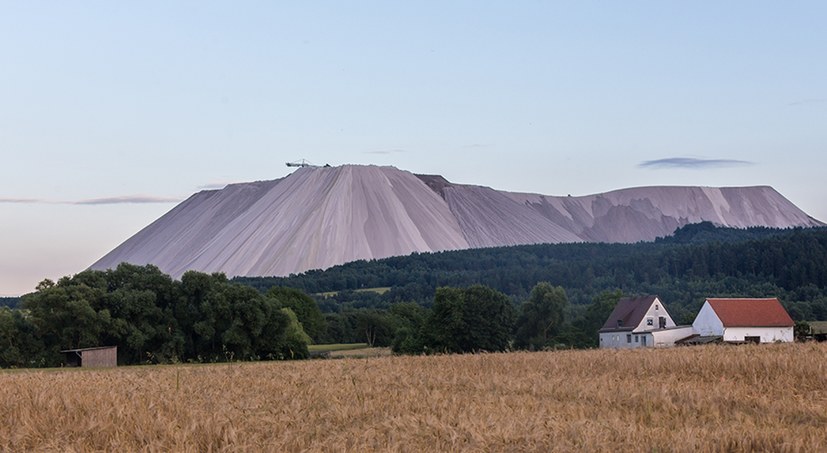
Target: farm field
380,291
337,351
711,398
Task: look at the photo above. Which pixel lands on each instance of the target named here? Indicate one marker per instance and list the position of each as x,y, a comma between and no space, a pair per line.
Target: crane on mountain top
303,163
300,163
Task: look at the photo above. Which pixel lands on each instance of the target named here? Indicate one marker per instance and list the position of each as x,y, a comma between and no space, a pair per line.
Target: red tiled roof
751,312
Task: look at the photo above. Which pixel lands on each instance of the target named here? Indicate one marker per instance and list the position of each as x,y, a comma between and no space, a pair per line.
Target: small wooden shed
102,356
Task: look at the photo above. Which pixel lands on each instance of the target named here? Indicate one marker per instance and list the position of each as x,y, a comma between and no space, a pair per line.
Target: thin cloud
693,163
807,102
127,199
21,200
387,151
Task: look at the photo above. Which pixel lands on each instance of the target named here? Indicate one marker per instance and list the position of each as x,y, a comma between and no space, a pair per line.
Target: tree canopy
150,318
541,316
471,319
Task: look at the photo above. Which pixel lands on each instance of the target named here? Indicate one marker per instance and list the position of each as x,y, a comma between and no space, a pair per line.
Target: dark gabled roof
751,312
630,312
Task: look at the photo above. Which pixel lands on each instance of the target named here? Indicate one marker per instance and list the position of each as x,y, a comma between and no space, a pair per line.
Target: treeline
472,319
699,261
152,318
155,319
11,302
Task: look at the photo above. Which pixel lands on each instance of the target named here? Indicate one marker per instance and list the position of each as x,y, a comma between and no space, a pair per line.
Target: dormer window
619,323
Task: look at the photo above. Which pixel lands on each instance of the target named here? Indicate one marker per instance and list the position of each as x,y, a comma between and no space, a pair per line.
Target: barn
744,321
103,356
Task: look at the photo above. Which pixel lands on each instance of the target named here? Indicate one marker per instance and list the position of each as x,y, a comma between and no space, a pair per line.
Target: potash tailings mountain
320,217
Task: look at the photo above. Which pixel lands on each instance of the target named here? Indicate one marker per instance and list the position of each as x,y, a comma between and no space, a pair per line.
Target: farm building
744,320
639,322
104,356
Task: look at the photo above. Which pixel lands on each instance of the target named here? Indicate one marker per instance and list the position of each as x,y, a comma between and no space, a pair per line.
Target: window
656,307
650,322
637,339
628,338
644,340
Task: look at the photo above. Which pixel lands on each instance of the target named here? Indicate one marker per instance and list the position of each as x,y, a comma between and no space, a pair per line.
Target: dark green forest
697,262
11,302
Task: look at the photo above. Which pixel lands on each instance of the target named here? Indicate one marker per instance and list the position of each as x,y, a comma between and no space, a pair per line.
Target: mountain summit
315,218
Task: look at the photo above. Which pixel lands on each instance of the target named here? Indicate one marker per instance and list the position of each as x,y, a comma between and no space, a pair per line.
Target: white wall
618,340
767,334
654,314
707,322
666,338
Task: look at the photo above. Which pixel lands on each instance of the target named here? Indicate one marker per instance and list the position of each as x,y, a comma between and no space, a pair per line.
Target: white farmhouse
744,320
639,322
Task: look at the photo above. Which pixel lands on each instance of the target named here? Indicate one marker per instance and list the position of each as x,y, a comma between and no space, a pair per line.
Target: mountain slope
314,218
320,217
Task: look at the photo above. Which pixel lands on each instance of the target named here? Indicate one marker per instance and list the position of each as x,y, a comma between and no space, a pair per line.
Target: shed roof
751,312
89,349
700,339
628,313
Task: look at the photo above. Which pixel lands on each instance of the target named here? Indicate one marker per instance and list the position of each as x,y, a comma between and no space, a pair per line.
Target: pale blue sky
105,100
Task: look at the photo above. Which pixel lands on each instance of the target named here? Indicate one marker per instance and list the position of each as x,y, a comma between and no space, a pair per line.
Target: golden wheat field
715,398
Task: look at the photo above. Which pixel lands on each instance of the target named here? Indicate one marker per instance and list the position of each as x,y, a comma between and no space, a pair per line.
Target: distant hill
316,218
699,261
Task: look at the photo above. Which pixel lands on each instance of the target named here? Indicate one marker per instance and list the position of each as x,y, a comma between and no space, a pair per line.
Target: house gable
652,318
707,323
638,314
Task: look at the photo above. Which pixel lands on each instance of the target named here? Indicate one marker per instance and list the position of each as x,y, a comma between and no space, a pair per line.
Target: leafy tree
376,327
596,315
247,310
472,319
409,336
294,340
541,316
64,317
802,330
305,308
140,302
18,343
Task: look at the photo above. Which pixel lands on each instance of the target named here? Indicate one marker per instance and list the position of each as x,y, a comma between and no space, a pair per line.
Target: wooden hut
103,356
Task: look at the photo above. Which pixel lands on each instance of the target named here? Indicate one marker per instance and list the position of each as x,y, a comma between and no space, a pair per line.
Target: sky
112,112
